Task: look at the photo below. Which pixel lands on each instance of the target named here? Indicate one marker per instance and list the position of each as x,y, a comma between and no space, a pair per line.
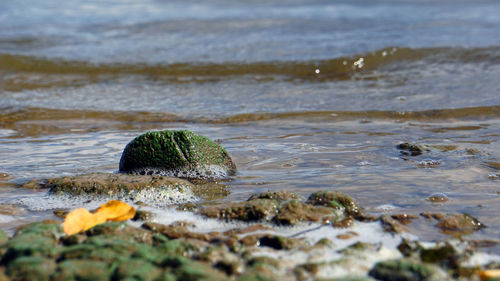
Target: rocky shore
181,232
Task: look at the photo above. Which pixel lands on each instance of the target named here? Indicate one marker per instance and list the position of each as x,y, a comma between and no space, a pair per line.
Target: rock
406,270
36,239
176,153
391,225
114,184
410,149
82,270
279,242
142,216
254,210
209,190
280,196
294,212
336,200
31,268
137,269
459,224
404,219
185,269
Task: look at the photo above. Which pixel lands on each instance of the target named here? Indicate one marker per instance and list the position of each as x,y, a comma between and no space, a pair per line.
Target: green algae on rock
286,208
407,270
176,153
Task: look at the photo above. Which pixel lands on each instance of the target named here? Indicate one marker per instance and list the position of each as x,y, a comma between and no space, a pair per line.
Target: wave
331,69
8,116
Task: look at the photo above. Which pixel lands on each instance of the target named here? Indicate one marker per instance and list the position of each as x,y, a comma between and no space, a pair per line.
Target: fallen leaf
81,219
116,210
489,274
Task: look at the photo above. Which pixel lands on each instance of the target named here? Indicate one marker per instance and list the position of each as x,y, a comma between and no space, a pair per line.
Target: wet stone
336,200
82,270
410,149
294,212
176,153
436,216
404,218
60,213
254,210
279,242
406,270
114,184
438,198
142,216
459,224
391,225
31,268
280,196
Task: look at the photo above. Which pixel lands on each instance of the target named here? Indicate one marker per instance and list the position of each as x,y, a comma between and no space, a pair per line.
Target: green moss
174,151
138,270
113,184
336,200
82,270
31,269
405,270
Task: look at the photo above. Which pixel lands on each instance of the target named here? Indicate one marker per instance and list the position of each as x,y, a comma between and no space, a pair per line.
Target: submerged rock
459,224
411,149
176,153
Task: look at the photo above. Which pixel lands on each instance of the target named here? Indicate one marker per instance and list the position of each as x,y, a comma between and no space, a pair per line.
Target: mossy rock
406,270
411,149
294,212
336,200
457,224
114,184
82,270
31,269
281,196
137,269
176,153
254,210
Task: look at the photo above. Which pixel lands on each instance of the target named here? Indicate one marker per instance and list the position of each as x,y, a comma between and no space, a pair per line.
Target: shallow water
305,95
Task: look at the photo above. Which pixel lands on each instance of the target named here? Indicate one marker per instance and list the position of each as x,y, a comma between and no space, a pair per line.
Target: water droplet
317,71
384,53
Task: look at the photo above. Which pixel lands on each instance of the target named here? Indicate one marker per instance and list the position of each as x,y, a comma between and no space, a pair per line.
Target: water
305,95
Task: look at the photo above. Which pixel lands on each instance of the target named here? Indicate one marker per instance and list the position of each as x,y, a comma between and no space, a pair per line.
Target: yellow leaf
487,274
81,219
116,211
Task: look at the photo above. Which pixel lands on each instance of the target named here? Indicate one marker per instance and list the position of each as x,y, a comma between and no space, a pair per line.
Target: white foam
199,172
157,197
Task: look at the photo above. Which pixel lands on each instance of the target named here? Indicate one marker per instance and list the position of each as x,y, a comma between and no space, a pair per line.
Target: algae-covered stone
176,153
82,270
137,269
185,269
294,212
281,196
411,149
406,270
116,184
35,239
336,200
31,269
459,224
254,210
